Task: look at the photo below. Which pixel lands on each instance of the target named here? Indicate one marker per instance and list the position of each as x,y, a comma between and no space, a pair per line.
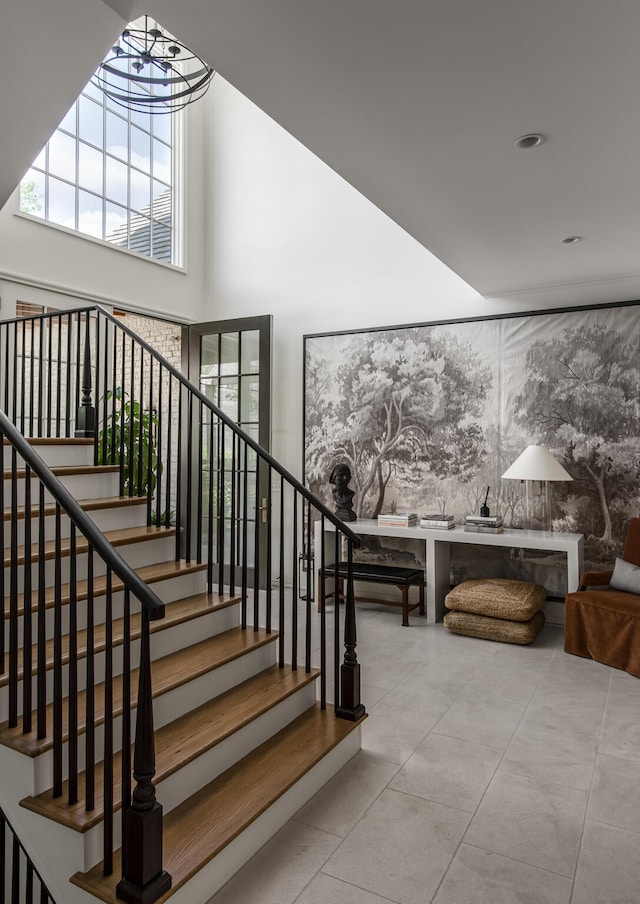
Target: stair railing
27,655
202,475
21,881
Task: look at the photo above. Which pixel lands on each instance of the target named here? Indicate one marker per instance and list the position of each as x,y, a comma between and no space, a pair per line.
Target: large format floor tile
490,774
400,848
534,822
478,877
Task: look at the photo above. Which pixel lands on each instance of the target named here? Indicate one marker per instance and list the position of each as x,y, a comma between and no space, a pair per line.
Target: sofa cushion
498,598
626,576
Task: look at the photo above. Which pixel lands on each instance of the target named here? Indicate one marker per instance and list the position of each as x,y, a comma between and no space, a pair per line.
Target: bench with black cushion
402,578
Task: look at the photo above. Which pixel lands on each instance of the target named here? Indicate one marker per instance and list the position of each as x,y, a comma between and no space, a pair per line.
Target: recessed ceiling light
571,239
533,140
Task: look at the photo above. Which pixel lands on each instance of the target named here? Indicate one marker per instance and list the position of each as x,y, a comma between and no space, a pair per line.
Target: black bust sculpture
342,495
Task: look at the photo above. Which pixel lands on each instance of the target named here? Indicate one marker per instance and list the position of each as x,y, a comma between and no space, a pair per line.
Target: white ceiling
416,103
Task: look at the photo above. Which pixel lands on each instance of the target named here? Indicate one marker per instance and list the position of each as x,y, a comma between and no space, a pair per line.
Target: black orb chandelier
150,71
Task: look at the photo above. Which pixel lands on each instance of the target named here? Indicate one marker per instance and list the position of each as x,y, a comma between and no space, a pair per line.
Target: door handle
264,507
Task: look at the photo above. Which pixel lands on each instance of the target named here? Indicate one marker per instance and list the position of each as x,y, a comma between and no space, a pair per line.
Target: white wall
289,237
46,265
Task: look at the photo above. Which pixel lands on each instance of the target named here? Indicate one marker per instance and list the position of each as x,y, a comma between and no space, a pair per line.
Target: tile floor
489,774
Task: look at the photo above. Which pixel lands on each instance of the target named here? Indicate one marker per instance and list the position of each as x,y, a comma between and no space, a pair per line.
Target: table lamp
537,463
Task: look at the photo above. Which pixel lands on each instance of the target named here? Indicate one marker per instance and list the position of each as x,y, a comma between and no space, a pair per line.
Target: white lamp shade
536,463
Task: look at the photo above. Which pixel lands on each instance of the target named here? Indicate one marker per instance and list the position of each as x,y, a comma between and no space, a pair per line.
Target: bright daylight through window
108,172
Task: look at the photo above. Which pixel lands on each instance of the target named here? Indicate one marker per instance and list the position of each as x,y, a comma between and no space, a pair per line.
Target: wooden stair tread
150,574
180,742
167,674
67,470
121,537
56,441
88,505
175,613
204,824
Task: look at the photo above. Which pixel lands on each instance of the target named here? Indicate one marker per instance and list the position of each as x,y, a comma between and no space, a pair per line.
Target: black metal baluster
76,322
107,766
256,549
151,442
143,878
73,668
210,510
169,456
294,585
57,658
336,622
159,450
138,491
200,489
179,512
27,641
23,371
13,597
306,552
5,330
189,489
49,374
268,553
233,516
67,418
58,376
41,680
130,470
40,373
31,377
108,332
15,871
220,506
281,625
245,519
323,618
90,691
28,888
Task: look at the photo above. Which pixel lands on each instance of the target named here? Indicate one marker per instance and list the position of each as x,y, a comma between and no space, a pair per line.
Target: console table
437,554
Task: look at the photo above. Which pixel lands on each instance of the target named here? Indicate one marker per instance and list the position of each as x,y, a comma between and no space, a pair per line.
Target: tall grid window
108,172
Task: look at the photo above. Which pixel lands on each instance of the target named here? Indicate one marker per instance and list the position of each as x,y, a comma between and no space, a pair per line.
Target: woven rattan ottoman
496,609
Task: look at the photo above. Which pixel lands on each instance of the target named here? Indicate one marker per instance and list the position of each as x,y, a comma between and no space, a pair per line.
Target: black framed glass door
230,361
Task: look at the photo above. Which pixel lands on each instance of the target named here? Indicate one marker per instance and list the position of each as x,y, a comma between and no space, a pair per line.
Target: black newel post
350,706
143,878
86,416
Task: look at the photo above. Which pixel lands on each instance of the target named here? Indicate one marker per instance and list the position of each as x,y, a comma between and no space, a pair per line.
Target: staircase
117,625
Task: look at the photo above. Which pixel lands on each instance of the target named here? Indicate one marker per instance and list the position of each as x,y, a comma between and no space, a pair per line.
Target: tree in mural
582,394
398,406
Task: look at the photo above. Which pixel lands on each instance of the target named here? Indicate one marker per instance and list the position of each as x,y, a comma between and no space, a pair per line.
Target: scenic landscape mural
427,417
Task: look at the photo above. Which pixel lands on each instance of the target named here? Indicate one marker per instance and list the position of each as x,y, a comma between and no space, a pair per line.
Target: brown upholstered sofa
603,623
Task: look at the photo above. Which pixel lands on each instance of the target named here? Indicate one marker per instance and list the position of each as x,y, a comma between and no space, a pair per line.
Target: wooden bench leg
405,606
421,609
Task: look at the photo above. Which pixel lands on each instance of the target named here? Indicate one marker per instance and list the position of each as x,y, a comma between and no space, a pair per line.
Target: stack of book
489,524
437,521
397,519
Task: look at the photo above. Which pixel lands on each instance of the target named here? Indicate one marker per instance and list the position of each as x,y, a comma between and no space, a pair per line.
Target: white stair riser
144,552
166,708
81,486
182,784
105,520
56,454
220,869
162,644
168,591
